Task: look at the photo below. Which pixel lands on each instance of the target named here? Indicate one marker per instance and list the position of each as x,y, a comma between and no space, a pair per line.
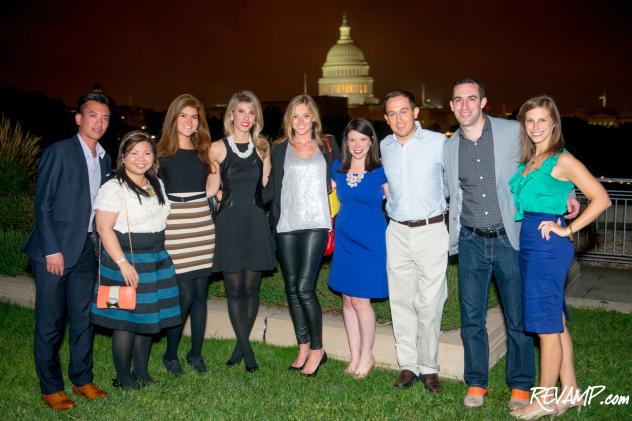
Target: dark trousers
300,254
478,257
55,298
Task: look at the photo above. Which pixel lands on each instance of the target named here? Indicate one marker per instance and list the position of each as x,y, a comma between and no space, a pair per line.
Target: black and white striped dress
190,232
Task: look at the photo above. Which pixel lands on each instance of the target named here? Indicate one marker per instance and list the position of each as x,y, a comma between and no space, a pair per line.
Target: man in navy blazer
62,253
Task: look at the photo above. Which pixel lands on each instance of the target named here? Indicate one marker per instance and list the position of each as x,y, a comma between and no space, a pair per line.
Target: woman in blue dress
545,176
358,269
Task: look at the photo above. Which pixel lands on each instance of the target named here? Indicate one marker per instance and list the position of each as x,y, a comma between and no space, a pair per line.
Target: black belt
488,233
422,222
186,198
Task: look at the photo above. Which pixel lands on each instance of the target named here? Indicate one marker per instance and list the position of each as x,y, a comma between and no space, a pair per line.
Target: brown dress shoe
406,379
58,401
431,383
89,391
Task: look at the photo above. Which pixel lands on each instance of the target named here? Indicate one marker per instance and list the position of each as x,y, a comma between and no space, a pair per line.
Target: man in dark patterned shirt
480,158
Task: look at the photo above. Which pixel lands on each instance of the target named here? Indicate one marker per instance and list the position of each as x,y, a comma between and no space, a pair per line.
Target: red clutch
329,246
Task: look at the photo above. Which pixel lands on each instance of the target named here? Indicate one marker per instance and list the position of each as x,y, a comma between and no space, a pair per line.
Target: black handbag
213,203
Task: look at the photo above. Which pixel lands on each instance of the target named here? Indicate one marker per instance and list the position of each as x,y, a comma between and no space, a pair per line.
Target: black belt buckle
488,233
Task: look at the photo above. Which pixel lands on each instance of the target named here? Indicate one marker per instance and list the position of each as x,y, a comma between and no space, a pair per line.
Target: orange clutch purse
121,297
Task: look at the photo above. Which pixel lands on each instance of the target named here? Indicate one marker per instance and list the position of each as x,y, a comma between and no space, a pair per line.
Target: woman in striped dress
183,150
131,214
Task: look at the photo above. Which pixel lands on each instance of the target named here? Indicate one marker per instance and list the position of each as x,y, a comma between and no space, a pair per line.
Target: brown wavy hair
201,138
527,147
317,127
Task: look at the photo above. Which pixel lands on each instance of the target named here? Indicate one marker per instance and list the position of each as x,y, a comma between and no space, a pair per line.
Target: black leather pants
300,253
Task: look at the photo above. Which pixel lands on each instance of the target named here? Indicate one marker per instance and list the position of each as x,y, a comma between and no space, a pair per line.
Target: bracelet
119,261
571,236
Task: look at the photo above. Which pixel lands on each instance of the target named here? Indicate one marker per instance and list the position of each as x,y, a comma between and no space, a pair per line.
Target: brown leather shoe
58,401
406,379
89,391
431,383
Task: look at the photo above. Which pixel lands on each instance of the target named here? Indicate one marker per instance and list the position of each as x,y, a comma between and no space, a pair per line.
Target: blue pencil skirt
543,267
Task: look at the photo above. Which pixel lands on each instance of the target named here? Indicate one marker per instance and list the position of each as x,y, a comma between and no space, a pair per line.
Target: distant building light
122,117
143,127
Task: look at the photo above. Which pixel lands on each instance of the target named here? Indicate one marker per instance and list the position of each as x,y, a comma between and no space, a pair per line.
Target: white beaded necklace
353,179
233,147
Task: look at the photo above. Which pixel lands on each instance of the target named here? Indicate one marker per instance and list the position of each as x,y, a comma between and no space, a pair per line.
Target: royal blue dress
358,268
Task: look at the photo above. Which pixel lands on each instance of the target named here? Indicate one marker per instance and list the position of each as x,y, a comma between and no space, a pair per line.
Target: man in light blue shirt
416,239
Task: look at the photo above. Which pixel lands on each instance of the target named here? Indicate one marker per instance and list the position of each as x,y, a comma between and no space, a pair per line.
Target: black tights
193,296
242,292
127,347
300,254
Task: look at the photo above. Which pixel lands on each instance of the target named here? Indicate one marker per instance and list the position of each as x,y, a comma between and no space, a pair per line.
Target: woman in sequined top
300,218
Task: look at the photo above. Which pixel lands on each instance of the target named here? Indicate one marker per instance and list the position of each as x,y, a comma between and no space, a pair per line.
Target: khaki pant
416,262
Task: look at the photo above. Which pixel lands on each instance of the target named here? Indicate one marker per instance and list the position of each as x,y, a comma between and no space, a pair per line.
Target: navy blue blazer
62,202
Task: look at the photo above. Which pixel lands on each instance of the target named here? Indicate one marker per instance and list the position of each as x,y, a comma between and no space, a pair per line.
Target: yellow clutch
334,203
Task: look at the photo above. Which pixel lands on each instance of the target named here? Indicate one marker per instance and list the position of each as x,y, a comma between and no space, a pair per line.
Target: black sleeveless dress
242,235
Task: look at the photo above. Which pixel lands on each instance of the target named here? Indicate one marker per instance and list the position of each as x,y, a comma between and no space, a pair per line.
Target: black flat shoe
292,368
173,366
231,363
252,369
197,363
134,385
143,382
323,360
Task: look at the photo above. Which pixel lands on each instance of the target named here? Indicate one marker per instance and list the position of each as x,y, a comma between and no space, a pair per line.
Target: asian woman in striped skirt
183,151
131,215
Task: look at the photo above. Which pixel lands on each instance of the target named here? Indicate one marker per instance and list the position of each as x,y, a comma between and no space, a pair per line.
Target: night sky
153,51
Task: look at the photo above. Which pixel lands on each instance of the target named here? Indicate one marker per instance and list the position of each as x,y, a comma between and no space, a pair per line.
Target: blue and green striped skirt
157,295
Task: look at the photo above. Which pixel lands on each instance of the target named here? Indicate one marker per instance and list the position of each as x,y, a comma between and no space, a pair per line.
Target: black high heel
292,368
323,360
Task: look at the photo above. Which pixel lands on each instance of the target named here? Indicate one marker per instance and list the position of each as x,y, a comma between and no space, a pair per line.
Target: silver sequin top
304,202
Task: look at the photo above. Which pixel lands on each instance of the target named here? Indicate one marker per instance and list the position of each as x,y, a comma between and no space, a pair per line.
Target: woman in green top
544,179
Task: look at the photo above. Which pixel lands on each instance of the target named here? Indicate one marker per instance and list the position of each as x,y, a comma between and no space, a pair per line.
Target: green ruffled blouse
539,191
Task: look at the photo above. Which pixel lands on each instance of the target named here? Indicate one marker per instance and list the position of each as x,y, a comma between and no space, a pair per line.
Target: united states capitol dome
346,72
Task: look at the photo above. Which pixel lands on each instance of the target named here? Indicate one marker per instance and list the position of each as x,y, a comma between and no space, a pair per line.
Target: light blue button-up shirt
94,173
414,170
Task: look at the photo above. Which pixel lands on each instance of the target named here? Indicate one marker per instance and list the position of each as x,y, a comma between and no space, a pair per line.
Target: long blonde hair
261,143
317,128
201,138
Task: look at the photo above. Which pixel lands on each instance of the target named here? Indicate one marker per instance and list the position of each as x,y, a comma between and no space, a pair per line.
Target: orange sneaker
519,399
475,397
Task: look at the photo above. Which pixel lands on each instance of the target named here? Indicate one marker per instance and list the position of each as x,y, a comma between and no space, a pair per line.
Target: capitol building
346,72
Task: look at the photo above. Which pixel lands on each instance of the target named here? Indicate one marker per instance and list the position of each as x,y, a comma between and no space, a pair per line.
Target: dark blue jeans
478,258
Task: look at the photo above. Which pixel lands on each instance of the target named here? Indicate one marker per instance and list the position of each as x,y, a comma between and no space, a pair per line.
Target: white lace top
148,217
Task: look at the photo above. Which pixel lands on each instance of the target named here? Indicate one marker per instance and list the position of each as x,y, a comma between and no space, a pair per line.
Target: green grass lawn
603,350
273,293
